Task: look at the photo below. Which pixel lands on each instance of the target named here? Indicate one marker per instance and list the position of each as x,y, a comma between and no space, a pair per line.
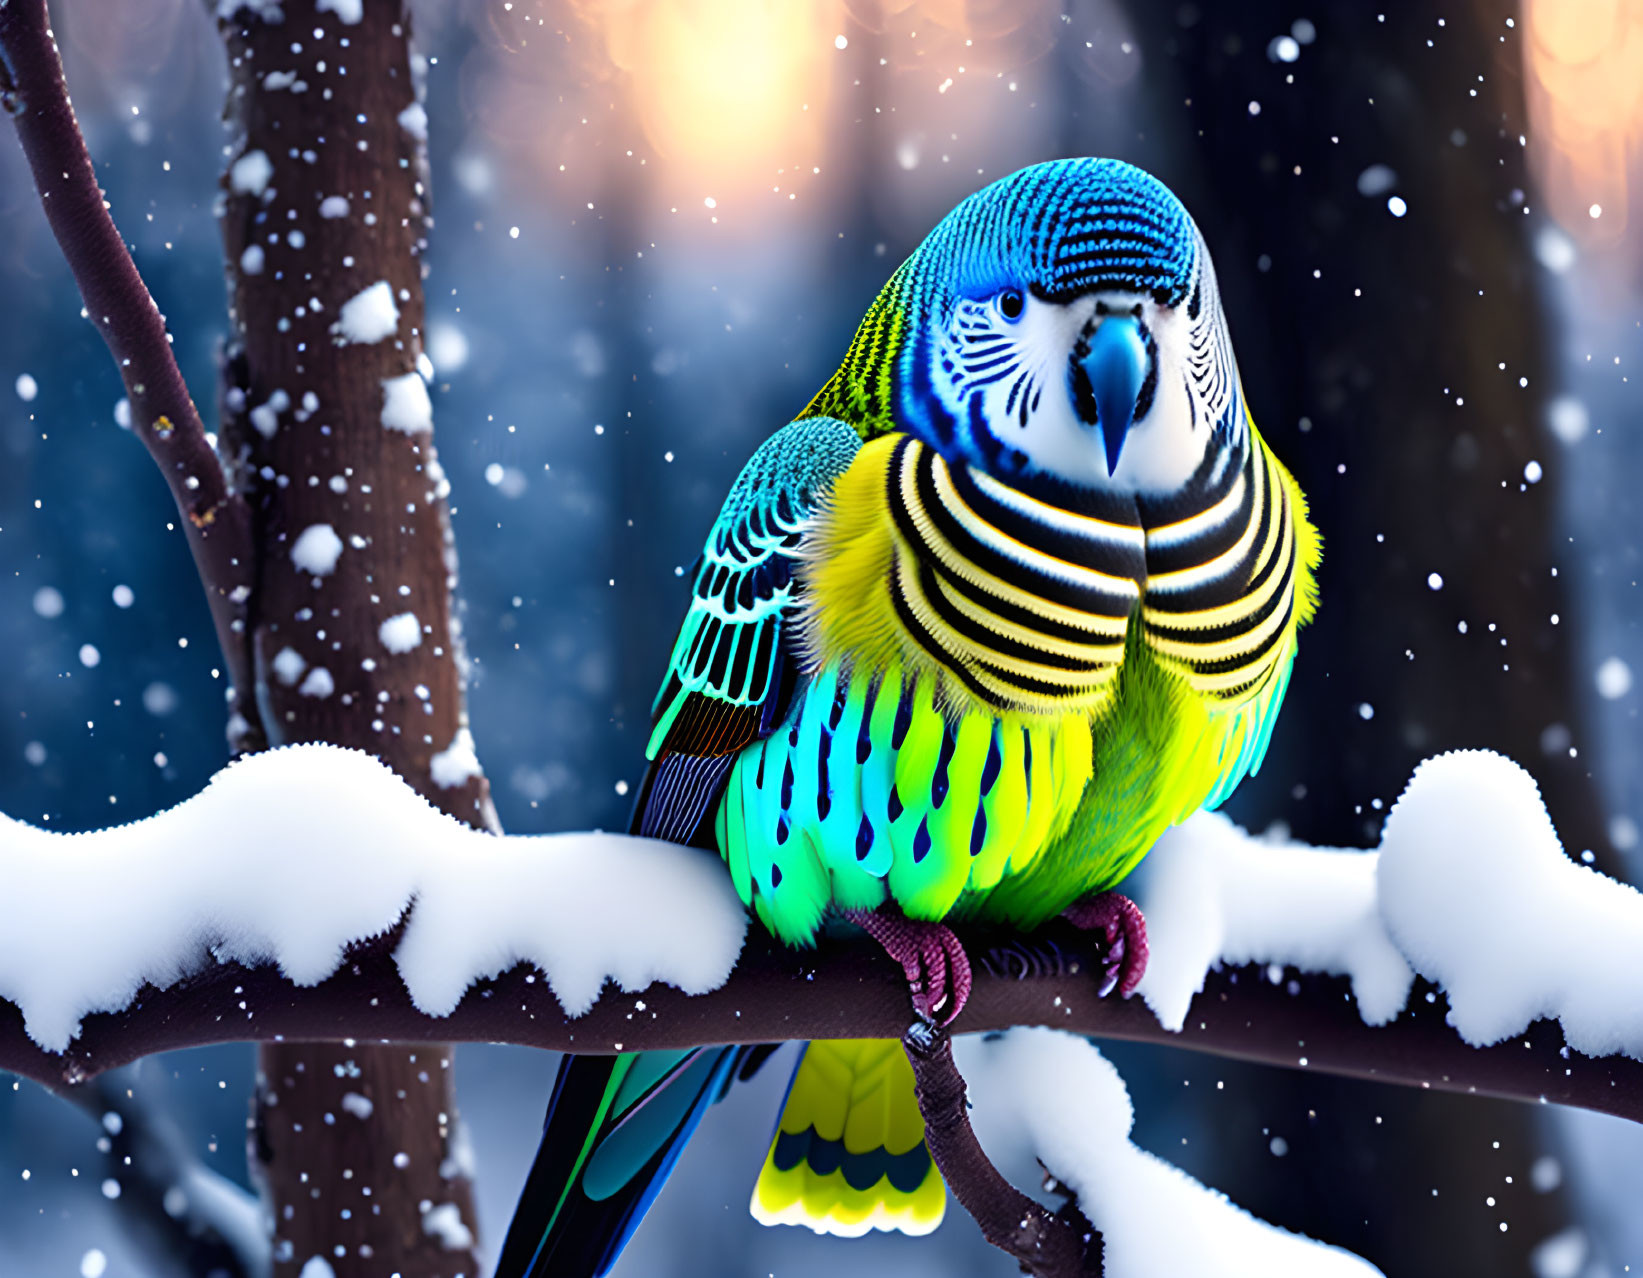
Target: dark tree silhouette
1383,357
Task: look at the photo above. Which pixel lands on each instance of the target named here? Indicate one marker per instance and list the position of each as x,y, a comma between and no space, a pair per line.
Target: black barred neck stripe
1194,528
1225,460
1024,601
1221,589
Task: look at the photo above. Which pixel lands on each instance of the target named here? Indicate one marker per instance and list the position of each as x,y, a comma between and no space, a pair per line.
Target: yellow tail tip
827,1204
848,1155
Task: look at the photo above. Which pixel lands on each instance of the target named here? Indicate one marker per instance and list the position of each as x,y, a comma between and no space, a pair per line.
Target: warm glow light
1584,62
728,92
723,111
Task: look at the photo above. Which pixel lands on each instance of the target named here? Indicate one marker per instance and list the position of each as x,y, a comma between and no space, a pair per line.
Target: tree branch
776,995
1044,1243
216,519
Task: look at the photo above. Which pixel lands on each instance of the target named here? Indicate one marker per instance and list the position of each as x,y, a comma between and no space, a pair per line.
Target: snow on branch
308,893
1470,888
1214,895
1475,889
1037,1093
291,855
1045,1244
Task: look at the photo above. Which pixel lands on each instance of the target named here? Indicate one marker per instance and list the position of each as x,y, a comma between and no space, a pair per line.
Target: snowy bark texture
328,426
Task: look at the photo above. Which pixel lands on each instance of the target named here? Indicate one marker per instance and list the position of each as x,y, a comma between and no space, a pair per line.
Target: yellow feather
859,1092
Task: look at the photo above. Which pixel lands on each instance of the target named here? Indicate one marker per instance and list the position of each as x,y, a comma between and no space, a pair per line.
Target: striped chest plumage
1223,567
1009,695
1022,601
1019,601
1050,605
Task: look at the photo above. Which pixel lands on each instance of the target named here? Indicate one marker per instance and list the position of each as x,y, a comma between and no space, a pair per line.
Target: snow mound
1476,890
400,633
405,404
290,855
1213,894
456,762
349,12
414,120
250,174
1057,1095
1470,889
369,316
316,550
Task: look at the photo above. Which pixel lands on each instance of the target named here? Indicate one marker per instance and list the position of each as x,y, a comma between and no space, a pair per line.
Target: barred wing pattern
729,672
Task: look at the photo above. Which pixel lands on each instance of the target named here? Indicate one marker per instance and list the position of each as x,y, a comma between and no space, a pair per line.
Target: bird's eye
1011,304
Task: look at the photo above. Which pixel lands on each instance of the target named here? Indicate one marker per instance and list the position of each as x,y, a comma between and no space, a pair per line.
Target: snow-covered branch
340,905
216,520
1053,1098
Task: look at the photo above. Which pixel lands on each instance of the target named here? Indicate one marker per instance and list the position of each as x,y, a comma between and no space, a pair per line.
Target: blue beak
1116,366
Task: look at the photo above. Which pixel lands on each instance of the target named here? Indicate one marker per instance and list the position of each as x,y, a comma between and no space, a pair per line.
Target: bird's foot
1123,929
937,968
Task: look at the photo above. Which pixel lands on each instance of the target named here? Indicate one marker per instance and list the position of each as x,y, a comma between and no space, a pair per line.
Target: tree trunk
352,632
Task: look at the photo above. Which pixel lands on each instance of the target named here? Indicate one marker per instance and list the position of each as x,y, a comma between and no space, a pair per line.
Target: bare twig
215,519
849,991
1046,1244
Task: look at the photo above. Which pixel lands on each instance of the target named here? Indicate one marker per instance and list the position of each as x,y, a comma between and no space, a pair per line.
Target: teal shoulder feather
721,675
728,671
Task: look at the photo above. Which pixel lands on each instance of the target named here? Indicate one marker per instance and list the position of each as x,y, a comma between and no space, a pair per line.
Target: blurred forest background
657,222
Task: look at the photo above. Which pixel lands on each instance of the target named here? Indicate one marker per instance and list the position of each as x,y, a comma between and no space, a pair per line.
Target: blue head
1064,322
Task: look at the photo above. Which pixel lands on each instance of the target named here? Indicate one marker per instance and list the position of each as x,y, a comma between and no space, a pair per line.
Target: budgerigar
1017,591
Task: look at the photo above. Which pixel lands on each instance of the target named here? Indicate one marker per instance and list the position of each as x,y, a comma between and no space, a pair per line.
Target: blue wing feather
614,1130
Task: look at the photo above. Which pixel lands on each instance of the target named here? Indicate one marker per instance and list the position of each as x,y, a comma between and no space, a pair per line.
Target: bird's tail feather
614,1129
848,1154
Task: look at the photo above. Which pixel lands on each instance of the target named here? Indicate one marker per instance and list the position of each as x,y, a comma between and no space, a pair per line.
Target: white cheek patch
1008,364
1020,372
1056,442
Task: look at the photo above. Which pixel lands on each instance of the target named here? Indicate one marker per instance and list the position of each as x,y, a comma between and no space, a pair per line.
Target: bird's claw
937,968
1119,922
